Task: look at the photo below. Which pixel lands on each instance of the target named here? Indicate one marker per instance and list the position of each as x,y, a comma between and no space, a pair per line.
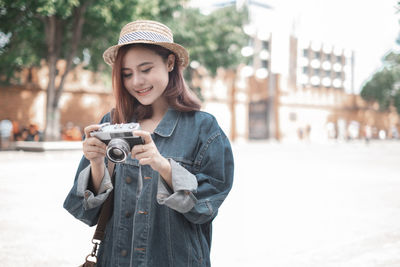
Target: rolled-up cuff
184,184
90,200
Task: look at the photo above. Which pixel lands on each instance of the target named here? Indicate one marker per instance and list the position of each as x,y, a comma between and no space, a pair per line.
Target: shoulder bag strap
105,215
107,209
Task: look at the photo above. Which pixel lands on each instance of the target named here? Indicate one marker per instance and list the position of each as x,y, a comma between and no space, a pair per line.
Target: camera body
119,139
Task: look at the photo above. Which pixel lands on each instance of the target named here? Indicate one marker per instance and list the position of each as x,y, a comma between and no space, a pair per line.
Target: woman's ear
171,62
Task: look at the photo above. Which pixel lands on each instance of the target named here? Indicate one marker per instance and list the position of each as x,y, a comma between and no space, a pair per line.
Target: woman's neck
159,107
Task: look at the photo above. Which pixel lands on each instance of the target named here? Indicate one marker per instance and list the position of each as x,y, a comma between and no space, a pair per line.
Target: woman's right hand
93,149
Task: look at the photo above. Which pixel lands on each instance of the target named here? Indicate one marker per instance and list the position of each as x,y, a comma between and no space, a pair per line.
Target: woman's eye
146,70
126,75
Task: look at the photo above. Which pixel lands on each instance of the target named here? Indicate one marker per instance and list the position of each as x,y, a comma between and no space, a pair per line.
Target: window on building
328,73
292,116
305,70
305,52
339,59
265,45
328,57
264,64
316,72
251,41
338,75
250,61
317,55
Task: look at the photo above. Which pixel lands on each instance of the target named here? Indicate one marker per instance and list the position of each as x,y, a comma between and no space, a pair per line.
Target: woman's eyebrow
140,65
144,63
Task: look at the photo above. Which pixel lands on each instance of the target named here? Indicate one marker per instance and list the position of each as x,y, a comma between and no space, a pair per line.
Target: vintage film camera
119,139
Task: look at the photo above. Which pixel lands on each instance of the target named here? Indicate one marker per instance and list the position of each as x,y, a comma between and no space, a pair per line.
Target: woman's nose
137,80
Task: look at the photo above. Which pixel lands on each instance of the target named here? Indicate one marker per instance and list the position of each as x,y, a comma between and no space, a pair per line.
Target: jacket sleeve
215,168
80,201
201,193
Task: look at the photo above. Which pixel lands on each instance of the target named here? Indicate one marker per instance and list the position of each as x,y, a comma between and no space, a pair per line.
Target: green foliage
213,40
379,88
24,48
383,87
396,101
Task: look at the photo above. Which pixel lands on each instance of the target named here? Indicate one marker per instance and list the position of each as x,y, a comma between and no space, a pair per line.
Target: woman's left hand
148,154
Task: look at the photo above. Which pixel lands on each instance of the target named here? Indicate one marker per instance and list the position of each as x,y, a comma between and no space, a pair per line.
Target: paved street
292,205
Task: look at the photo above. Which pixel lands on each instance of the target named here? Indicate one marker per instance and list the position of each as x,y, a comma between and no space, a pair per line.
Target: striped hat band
143,36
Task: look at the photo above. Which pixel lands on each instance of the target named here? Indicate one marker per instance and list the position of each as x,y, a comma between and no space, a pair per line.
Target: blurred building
318,92
313,99
317,65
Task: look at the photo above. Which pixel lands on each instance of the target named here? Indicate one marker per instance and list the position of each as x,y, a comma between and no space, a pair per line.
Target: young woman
168,191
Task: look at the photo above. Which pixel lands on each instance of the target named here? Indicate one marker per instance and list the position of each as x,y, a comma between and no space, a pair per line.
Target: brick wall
26,104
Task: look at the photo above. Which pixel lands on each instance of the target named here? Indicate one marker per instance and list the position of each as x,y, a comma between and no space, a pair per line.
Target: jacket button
128,180
124,252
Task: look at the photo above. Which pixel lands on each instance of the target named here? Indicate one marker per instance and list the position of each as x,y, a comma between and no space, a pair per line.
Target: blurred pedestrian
169,189
16,130
367,133
31,133
308,132
72,133
300,133
6,128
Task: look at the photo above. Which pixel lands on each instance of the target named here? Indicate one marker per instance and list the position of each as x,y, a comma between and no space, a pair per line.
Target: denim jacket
153,224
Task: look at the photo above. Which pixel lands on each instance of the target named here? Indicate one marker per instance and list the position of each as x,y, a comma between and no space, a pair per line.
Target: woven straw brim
183,56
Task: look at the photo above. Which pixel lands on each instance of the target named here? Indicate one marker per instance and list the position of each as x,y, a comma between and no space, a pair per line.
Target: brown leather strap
106,210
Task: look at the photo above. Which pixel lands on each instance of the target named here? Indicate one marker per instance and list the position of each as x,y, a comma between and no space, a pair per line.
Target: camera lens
117,150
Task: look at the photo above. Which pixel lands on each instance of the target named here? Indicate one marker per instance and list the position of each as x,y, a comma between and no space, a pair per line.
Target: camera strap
105,213
107,209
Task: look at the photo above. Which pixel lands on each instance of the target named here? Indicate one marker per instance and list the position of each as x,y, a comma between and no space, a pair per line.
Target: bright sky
369,28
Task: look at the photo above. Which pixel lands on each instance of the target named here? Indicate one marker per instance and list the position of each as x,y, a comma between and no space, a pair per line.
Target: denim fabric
153,224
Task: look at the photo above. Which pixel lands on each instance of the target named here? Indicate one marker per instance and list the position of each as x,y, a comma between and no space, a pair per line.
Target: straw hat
147,32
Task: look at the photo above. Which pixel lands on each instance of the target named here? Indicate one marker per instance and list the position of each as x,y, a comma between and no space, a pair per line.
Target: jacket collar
167,125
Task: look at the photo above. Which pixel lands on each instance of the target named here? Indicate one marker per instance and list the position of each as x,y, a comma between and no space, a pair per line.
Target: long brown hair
177,93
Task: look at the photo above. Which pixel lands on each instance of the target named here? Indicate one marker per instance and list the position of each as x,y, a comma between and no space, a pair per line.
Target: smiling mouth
144,90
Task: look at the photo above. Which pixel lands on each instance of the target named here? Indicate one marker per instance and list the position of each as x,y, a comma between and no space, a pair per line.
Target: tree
75,30
383,87
213,40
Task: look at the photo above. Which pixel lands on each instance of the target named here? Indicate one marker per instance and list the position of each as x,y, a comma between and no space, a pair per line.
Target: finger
145,161
95,149
92,141
91,128
146,154
146,136
94,155
137,149
142,148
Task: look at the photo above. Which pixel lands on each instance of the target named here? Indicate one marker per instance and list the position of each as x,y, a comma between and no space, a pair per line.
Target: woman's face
145,74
